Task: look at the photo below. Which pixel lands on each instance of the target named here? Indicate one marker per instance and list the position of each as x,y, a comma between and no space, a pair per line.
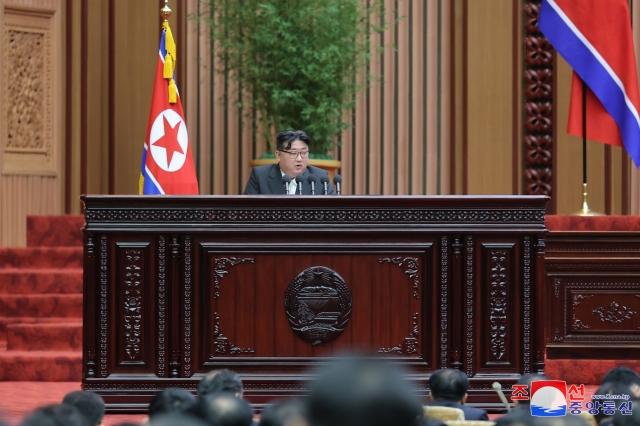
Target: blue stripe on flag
587,65
150,186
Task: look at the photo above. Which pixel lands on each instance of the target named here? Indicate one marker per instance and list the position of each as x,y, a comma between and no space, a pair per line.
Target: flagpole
585,211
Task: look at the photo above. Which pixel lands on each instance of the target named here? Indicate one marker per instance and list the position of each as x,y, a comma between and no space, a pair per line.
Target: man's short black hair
89,404
629,419
220,381
287,137
449,384
623,375
362,392
610,388
55,415
171,401
223,409
279,412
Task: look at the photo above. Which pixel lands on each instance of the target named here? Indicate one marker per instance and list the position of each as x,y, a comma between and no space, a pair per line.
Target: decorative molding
132,303
614,314
162,305
104,313
187,307
410,344
578,324
498,303
557,337
526,287
29,142
221,265
413,269
557,282
538,108
469,304
318,215
444,299
221,343
579,298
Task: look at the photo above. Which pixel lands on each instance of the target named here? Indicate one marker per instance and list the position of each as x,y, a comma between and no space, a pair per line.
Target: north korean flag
167,162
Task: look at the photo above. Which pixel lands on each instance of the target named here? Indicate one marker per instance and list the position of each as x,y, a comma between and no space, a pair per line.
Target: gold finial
165,12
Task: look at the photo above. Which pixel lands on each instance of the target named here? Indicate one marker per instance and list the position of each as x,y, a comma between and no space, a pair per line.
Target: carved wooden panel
500,305
133,313
178,286
242,311
538,94
593,282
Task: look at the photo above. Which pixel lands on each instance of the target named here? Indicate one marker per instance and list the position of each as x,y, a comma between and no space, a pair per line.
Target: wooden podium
274,286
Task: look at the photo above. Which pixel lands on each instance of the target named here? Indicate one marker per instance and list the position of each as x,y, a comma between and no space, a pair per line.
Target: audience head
90,405
631,419
362,392
220,381
449,384
176,419
223,409
55,415
171,401
625,376
291,412
611,388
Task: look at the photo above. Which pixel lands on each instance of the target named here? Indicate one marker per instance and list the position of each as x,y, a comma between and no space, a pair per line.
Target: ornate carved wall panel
133,301
538,93
593,282
273,287
500,302
30,113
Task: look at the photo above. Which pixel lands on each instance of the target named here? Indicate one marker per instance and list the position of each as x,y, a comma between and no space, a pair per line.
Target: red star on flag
170,140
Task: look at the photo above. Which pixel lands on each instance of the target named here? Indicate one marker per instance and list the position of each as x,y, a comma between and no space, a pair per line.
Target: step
41,305
54,231
44,366
41,257
7,321
64,336
40,281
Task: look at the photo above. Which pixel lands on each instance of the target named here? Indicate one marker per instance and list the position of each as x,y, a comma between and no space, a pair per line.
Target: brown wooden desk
177,286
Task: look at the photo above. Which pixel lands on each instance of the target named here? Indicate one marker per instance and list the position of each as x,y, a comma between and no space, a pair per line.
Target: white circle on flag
160,154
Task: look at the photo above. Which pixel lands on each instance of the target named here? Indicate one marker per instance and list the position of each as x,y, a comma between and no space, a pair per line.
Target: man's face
293,166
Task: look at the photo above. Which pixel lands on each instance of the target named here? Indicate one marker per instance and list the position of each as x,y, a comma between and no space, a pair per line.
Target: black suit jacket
470,413
267,179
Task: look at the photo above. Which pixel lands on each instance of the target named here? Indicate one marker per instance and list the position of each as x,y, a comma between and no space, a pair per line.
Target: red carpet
41,302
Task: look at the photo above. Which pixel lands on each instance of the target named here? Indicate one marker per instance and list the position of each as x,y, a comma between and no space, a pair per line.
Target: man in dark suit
293,157
449,389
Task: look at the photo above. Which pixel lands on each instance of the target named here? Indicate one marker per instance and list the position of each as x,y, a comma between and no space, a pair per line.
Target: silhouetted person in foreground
223,409
55,415
171,401
449,389
625,376
220,381
89,404
362,392
290,412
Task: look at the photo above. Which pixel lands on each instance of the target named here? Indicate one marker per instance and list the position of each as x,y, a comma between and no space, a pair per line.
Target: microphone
337,180
299,180
286,180
313,180
325,184
498,388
